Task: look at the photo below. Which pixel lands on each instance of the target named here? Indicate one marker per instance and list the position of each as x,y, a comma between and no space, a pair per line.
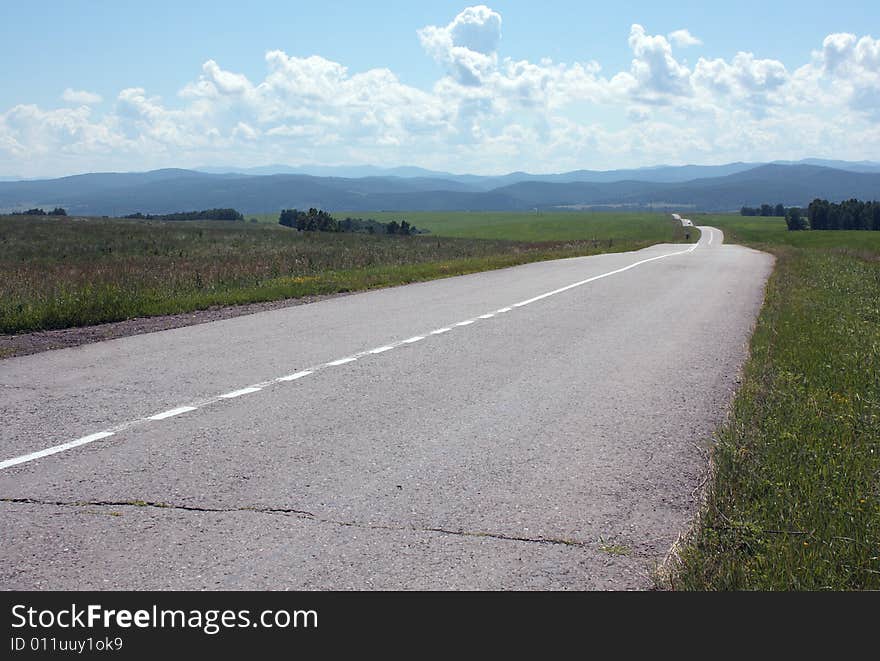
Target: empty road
538,427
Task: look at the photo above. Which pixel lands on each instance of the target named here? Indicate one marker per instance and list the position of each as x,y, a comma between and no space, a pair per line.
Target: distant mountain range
366,188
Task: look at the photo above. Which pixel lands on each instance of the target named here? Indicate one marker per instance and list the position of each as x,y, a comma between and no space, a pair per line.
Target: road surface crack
300,514
459,533
158,505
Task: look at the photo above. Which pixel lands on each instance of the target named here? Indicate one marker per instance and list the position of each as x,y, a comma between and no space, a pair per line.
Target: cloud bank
485,113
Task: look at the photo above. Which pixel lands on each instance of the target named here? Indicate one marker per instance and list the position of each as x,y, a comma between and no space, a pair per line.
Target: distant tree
766,210
34,212
405,228
779,211
325,222
314,220
794,220
58,211
866,216
288,217
393,227
817,214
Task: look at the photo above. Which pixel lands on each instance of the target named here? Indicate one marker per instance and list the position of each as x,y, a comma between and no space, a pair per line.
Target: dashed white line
239,393
342,361
172,412
600,276
294,376
55,449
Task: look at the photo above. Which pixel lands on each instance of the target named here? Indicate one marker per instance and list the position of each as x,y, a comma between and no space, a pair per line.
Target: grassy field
546,226
60,272
795,500
523,226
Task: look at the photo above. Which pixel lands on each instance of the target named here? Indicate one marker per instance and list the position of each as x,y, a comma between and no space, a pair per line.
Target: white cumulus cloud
656,72
485,112
80,97
683,38
468,45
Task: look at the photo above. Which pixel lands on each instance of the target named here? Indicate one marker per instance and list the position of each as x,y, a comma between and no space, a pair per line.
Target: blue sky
543,86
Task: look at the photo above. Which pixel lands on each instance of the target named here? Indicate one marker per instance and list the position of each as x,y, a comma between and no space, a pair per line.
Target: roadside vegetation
794,503
61,272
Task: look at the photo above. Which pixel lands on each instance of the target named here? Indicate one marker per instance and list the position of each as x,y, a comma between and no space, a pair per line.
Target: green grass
529,226
523,226
612,548
771,233
60,273
795,499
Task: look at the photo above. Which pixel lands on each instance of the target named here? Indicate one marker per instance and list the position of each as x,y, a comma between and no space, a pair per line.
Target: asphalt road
555,444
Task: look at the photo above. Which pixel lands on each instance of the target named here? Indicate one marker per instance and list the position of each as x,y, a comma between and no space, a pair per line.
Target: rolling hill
169,190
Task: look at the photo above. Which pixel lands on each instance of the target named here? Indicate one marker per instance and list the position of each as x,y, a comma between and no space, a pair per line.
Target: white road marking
711,236
294,376
342,361
601,275
172,412
239,393
55,449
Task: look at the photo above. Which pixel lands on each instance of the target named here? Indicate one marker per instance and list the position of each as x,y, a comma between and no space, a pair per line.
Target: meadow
794,503
65,272
541,226
523,226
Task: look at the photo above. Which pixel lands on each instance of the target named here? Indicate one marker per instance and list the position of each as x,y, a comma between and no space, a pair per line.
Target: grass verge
794,503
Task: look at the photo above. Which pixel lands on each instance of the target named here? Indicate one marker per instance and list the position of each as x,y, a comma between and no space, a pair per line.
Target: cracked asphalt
556,446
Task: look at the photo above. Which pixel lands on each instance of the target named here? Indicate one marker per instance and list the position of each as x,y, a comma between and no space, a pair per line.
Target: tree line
849,215
317,220
57,211
764,210
824,215
205,214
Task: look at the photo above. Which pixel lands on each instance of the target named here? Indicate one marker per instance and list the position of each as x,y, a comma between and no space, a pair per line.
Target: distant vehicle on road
685,222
